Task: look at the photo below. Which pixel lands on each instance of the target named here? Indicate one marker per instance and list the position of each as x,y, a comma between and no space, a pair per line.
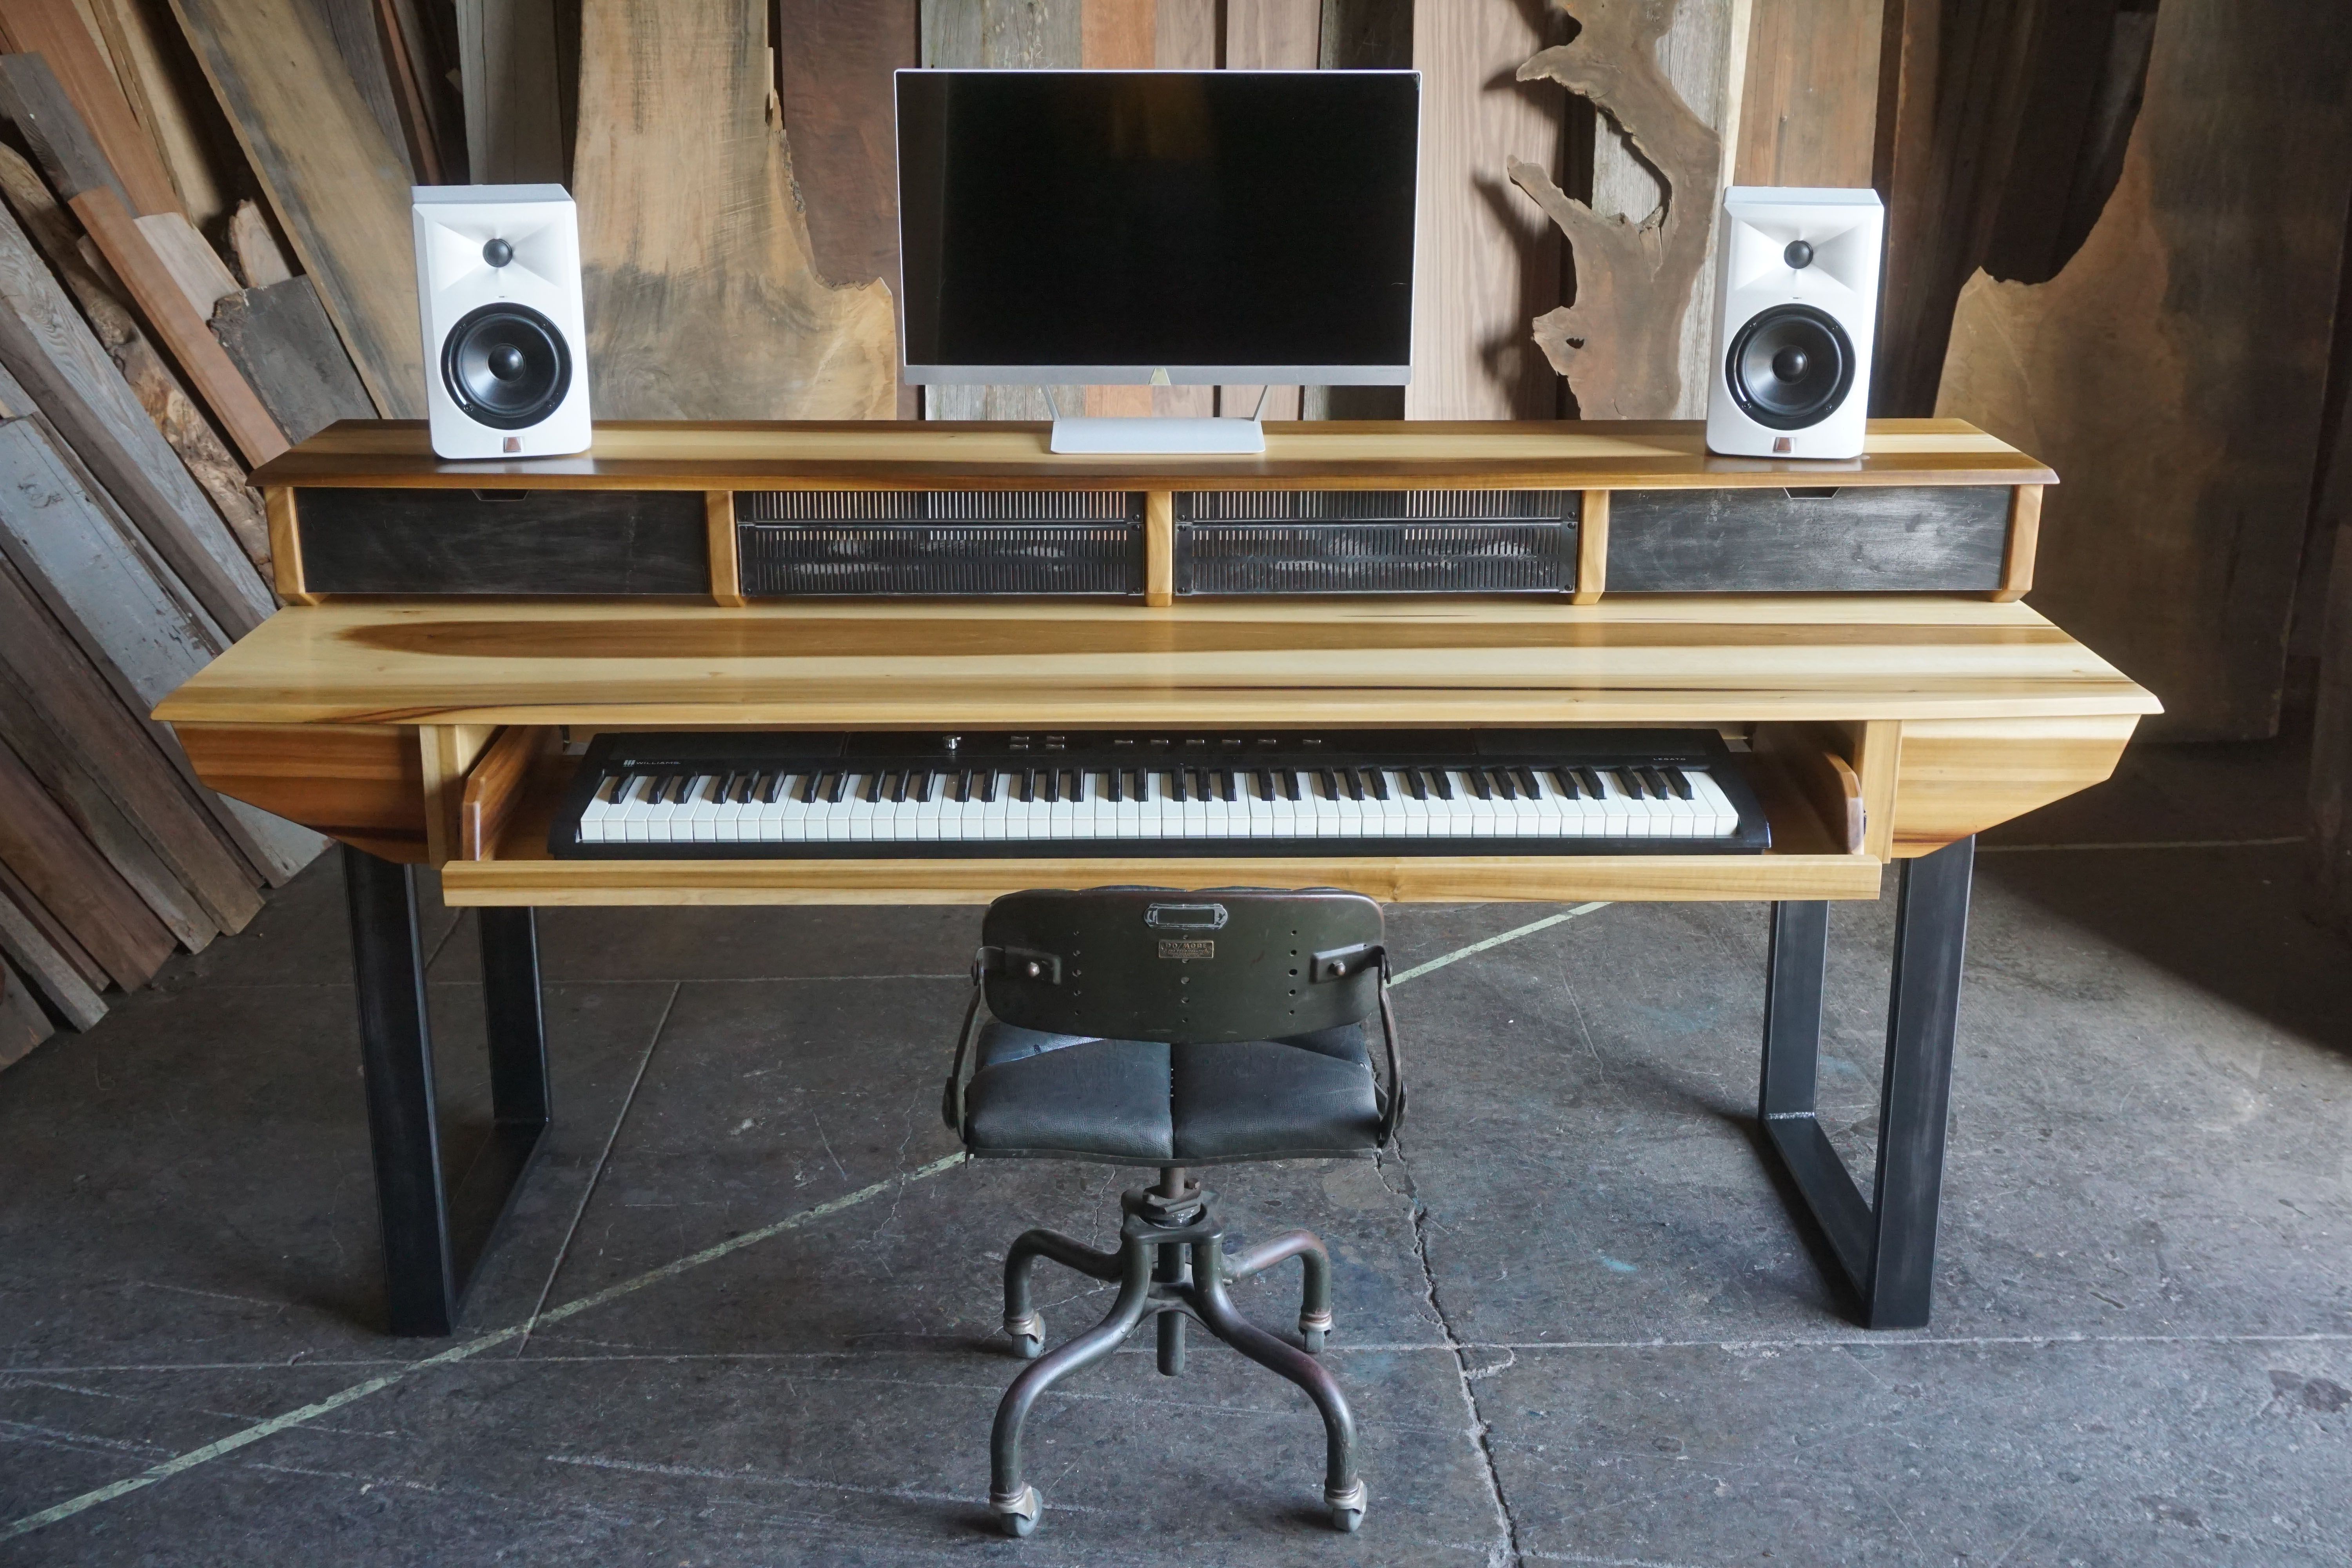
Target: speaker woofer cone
1791,366
506,365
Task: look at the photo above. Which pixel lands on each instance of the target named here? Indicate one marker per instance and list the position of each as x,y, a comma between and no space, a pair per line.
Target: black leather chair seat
1138,1102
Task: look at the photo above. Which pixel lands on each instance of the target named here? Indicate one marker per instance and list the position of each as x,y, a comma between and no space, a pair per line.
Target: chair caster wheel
1028,1347
1347,1508
1313,1329
1028,1333
1017,1515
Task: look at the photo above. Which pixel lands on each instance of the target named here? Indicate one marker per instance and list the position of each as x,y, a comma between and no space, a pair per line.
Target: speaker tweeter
497,279
1796,311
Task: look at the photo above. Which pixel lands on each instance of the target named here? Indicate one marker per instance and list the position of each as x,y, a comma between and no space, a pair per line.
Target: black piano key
1501,779
873,785
1377,780
1175,783
1591,780
1629,781
1355,782
808,787
963,787
1657,783
659,795
1566,779
1053,784
1112,780
1415,782
1028,786
1442,782
1527,777
894,783
923,782
1265,783
1478,785
988,787
1679,782
1330,784
1226,785
1290,784
834,785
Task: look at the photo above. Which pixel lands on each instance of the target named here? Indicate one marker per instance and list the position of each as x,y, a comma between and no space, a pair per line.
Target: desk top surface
983,663
1371,454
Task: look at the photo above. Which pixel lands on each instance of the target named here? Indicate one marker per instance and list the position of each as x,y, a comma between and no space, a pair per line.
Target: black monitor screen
1142,219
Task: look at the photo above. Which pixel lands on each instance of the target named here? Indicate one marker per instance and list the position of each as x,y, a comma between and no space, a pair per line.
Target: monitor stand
1146,434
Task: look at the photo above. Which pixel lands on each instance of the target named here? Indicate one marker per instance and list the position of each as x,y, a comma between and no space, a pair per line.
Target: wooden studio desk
454,631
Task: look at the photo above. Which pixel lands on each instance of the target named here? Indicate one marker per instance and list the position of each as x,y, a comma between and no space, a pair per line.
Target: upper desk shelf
739,512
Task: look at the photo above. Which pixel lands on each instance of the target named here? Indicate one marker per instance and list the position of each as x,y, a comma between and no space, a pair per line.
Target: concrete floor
1575,1321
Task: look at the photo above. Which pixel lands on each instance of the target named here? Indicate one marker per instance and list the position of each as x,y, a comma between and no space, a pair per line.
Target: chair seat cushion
1143,1103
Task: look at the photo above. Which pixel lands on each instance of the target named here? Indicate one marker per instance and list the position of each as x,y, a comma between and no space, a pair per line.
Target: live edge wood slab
1883,725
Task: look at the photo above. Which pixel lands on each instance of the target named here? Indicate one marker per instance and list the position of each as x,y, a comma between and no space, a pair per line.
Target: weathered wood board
539,542
703,297
169,98
2172,371
30,952
47,676
54,31
51,354
40,845
508,66
280,338
1809,97
1486,263
23,1022
338,186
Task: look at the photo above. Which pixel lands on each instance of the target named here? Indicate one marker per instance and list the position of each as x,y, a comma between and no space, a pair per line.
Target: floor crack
1506,1552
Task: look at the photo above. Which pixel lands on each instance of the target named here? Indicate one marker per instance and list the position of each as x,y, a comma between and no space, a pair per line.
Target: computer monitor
1169,227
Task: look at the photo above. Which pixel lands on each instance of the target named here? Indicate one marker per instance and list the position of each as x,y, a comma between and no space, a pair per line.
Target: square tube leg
1886,1244
421,1288
434,1238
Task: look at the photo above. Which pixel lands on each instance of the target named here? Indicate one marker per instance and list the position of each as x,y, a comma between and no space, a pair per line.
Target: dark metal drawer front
1375,506
1871,539
782,559
430,541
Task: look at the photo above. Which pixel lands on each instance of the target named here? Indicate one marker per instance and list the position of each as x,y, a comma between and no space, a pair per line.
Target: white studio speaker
498,290
1796,311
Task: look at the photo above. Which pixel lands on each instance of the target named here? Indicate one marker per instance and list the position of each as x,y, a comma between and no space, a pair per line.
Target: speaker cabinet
1796,311
498,292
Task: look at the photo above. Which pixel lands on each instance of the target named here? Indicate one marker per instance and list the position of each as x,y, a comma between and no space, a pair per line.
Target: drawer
1861,539
939,543
432,541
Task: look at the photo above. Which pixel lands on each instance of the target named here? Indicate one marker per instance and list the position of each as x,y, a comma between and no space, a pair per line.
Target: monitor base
1146,435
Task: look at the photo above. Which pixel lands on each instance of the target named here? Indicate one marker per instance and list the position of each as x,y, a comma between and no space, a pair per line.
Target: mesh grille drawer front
939,542
1375,541
1375,506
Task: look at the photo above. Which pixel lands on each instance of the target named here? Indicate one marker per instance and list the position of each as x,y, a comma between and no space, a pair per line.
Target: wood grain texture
1809,105
415,95
202,277
286,547
28,950
54,760
47,676
358,39
152,382
1827,782
1957,778
1484,265
1591,547
1619,345
169,98
52,930
1327,454
1925,539
48,350
362,785
260,261
494,788
701,288
510,72
724,546
157,291
1702,55
279,337
2178,388
1159,548
338,186
1320,662
54,31
35,104
2024,542
835,63
40,845
531,542
446,754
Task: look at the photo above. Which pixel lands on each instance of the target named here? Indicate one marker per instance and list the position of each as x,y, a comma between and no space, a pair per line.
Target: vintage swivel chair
1140,1027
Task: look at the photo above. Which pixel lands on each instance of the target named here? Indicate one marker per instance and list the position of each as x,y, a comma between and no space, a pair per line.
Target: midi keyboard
934,794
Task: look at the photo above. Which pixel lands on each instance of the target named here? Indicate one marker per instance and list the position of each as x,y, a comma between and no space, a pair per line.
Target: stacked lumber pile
203,258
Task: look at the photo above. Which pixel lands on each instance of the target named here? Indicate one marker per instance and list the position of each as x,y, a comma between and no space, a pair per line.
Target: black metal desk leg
434,1238
1886,1247
396,1061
